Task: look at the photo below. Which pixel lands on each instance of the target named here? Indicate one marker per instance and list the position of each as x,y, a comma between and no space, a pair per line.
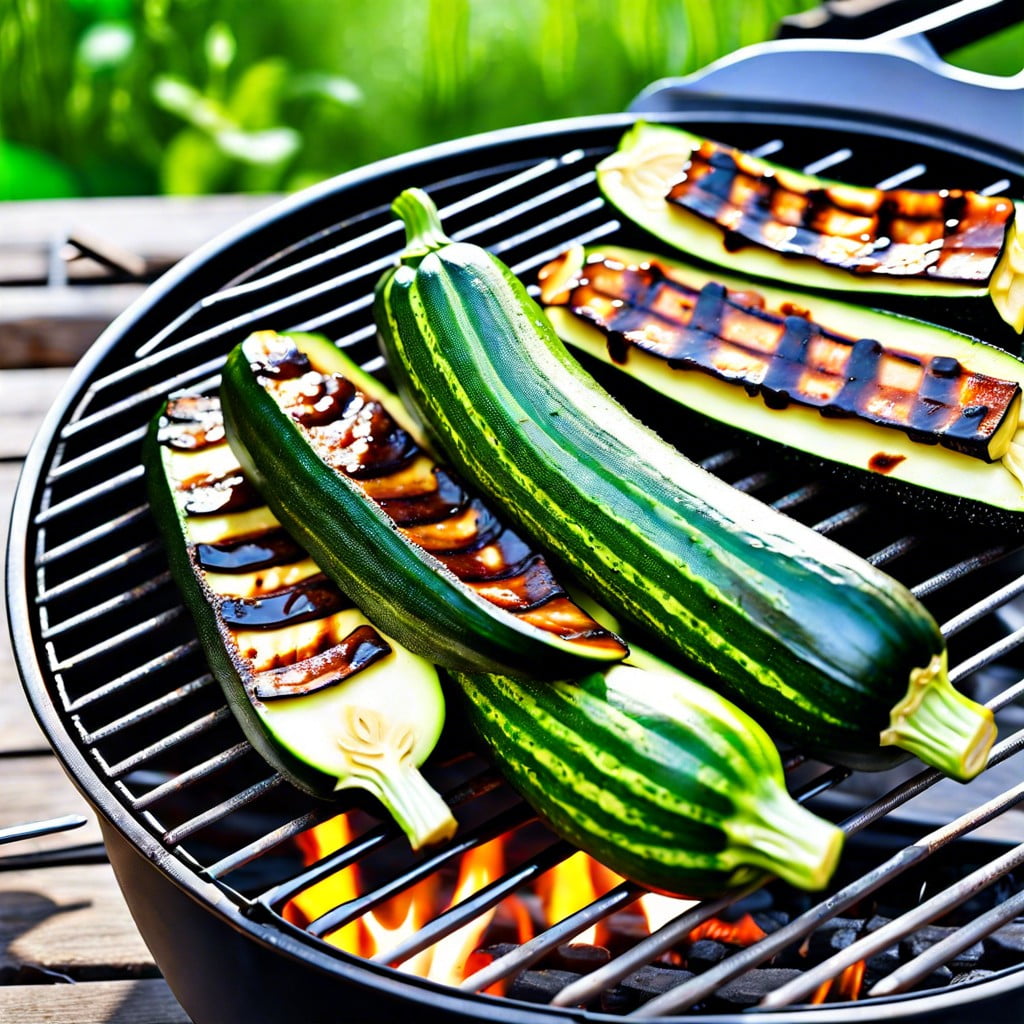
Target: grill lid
110,660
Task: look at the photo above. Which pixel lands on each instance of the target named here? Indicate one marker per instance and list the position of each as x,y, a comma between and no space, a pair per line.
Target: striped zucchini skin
818,641
408,594
655,776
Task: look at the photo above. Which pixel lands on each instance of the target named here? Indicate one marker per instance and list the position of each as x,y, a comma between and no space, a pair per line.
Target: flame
847,985
659,909
744,932
563,890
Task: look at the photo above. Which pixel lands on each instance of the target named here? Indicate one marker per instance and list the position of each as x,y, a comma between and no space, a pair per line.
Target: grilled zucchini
824,648
890,396
422,556
754,217
327,699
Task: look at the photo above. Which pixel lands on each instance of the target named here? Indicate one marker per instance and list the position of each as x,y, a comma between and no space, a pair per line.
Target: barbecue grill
205,839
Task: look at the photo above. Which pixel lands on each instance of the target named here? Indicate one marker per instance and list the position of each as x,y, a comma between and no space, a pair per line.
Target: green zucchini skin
649,160
408,594
816,643
655,776
981,491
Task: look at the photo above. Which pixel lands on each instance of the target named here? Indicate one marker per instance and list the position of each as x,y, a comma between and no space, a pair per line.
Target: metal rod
222,810
45,827
533,949
945,949
694,990
484,899
882,938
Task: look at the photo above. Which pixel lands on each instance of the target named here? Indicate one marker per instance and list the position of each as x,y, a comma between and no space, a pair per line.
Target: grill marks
354,434
289,639
953,235
785,357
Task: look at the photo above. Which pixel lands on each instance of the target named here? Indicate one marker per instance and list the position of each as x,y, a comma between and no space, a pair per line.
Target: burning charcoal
580,957
831,937
923,939
750,988
884,962
644,984
1005,946
706,953
540,986
770,920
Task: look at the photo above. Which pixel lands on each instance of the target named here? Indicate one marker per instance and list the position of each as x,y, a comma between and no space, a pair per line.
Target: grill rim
560,137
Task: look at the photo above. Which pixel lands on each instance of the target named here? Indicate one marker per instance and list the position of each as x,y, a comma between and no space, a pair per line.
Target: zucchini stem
423,231
380,759
944,728
777,834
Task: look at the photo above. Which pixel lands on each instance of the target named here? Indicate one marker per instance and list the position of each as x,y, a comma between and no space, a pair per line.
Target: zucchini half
815,642
326,699
400,535
727,224
640,343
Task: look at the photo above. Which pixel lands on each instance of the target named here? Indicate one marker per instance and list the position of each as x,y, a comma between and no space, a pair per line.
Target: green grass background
120,97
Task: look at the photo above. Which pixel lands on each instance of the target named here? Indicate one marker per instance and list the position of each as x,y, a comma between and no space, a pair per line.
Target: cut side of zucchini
419,552
329,701
636,312
751,216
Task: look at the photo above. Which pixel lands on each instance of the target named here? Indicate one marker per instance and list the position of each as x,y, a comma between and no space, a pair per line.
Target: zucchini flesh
823,647
758,218
655,776
329,702
420,554
633,310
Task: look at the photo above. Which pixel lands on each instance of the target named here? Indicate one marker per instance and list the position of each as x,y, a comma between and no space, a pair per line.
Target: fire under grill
319,911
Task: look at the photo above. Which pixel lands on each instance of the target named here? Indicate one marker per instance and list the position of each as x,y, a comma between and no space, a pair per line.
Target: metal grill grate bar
178,835
97,534
693,991
194,774
473,906
161,746
116,603
146,711
127,678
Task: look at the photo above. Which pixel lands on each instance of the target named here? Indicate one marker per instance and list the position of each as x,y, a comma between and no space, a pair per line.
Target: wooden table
69,950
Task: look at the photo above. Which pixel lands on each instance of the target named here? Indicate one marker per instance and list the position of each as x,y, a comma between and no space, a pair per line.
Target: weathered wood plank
25,398
69,920
148,1001
42,791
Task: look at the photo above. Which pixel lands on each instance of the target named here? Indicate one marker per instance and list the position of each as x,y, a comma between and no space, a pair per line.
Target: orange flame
847,985
744,932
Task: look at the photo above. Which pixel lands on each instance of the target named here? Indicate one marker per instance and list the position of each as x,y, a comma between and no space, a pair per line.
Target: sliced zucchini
329,701
961,438
424,557
754,217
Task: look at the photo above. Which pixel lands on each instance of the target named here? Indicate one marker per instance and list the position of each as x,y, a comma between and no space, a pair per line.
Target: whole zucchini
755,217
927,406
421,555
654,775
824,648
327,700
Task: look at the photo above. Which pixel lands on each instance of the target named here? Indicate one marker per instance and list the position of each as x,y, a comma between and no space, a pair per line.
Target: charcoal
646,983
770,920
750,988
760,900
923,939
1005,946
706,953
540,986
580,957
831,937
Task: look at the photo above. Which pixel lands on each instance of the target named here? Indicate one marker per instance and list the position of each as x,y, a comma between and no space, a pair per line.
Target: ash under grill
114,670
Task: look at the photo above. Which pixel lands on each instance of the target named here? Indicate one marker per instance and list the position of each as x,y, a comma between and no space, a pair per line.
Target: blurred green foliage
118,97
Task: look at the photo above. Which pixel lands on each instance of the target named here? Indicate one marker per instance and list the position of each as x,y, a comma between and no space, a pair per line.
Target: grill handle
897,70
